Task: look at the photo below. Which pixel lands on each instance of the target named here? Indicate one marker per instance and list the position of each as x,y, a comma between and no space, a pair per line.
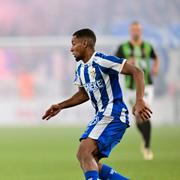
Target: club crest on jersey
92,72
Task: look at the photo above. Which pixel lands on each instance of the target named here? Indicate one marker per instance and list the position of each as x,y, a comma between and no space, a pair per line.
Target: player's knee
81,155
86,151
78,155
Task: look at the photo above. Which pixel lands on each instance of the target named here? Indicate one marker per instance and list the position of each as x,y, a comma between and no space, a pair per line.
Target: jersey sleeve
153,54
112,64
120,52
77,79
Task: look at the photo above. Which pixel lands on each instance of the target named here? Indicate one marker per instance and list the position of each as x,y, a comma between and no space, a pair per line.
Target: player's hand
141,110
52,111
154,70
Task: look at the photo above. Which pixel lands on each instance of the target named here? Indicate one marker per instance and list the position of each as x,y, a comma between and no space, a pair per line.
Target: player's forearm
155,68
138,77
75,100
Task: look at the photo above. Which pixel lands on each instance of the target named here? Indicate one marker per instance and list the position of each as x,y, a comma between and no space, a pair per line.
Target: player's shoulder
100,55
103,57
147,44
124,43
100,58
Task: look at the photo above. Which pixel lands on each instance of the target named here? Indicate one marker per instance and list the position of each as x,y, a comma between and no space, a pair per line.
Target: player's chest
92,78
90,73
134,52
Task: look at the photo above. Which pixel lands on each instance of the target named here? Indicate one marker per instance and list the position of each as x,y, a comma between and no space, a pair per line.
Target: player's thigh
87,146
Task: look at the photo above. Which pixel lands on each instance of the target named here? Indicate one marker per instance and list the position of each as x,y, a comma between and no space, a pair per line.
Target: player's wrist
60,105
139,100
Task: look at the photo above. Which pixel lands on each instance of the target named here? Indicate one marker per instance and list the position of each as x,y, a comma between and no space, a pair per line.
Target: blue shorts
107,131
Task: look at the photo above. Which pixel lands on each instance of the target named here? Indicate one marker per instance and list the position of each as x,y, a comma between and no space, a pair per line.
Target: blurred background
37,68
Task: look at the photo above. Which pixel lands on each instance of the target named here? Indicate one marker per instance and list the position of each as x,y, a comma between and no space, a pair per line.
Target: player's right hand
52,111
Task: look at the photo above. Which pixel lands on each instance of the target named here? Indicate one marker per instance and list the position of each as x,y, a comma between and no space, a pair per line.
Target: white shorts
148,95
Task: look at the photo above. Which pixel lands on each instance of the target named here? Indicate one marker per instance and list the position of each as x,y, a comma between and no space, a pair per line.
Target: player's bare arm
78,98
155,67
140,106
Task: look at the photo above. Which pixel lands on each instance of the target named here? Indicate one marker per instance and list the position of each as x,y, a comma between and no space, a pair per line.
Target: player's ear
85,43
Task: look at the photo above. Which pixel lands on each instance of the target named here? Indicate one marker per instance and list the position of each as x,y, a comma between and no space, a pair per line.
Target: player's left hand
141,110
154,70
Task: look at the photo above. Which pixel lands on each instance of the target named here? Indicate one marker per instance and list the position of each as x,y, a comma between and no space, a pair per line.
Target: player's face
135,32
77,48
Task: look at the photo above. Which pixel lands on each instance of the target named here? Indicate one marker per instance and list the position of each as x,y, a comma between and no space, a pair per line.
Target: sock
145,129
92,175
107,173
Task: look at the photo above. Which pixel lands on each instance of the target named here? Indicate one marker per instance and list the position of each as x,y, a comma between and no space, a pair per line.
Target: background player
140,53
97,76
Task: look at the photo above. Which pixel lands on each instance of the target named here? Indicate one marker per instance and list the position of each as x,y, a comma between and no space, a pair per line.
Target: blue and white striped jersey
100,78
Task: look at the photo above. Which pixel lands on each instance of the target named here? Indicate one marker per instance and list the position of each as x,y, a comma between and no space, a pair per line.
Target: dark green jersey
142,54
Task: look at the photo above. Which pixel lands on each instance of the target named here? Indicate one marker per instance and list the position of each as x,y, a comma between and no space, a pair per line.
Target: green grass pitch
49,154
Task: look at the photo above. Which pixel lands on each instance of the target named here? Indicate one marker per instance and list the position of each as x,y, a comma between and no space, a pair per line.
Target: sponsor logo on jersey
93,86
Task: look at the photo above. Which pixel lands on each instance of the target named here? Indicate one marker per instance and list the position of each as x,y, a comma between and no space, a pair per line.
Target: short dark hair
135,23
88,33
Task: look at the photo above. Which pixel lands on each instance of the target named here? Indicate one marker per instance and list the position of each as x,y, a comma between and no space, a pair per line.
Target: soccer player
141,54
97,77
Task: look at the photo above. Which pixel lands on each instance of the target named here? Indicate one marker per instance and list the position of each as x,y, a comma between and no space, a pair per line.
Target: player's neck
138,42
88,55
